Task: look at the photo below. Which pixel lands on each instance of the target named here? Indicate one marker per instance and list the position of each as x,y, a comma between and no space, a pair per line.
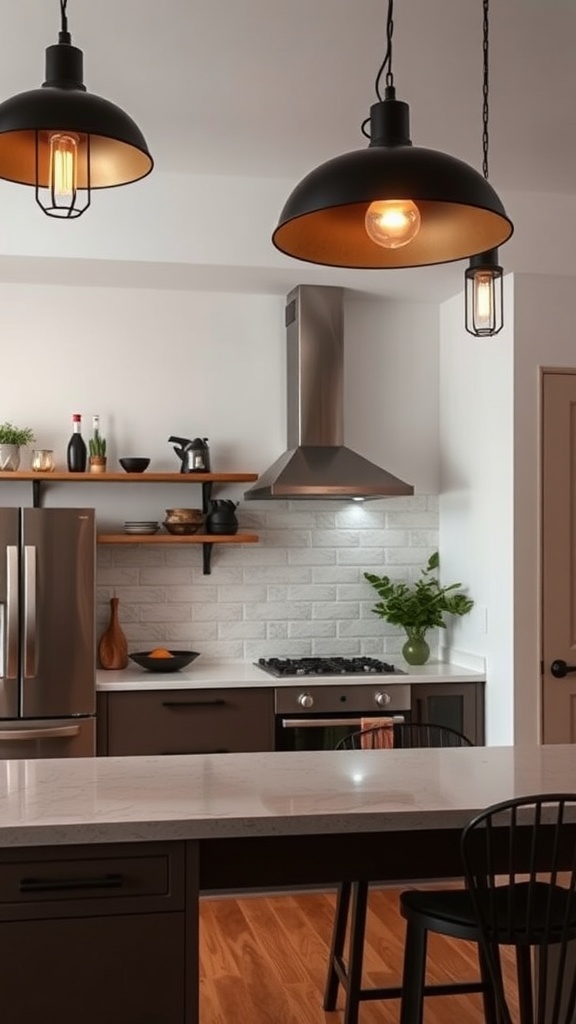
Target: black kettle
194,455
221,517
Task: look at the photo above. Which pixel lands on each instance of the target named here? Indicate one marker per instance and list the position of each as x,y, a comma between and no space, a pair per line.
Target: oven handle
319,723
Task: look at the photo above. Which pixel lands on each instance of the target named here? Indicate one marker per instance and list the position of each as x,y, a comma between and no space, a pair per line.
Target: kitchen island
102,861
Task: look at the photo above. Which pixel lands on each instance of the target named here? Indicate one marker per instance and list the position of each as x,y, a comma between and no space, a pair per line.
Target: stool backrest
519,860
405,734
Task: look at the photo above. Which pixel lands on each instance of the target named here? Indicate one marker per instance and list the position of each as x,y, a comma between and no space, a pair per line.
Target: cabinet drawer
187,722
91,881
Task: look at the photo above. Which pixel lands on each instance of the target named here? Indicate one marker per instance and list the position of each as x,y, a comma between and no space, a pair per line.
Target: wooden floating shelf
207,540
128,478
170,538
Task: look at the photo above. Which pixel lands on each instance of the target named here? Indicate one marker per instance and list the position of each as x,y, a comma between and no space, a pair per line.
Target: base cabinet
96,934
459,706
234,720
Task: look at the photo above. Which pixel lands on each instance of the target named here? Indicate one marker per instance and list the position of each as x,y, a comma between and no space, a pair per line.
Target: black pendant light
422,206
64,141
484,298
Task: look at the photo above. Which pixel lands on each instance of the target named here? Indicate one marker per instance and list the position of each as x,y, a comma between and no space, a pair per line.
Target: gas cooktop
326,667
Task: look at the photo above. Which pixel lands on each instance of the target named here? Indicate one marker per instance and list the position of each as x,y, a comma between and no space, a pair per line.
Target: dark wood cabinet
185,721
99,933
457,705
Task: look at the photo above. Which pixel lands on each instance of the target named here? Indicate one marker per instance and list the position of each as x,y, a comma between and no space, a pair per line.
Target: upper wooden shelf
129,478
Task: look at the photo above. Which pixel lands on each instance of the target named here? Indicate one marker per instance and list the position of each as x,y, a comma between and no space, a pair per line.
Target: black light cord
64,35
485,90
386,65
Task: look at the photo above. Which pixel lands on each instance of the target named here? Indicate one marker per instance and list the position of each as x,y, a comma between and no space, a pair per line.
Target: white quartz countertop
246,674
89,800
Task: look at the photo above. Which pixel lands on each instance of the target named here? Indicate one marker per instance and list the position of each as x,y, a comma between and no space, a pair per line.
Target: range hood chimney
317,464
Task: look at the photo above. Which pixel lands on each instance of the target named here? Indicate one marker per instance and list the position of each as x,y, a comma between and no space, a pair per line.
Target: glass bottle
76,451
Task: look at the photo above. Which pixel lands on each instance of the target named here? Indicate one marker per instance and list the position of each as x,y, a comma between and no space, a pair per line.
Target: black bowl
178,660
134,465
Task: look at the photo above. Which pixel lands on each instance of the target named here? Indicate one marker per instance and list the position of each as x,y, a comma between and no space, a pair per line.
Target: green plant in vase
11,440
418,607
97,449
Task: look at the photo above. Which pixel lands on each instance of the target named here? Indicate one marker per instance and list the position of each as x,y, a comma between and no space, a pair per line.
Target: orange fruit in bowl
160,652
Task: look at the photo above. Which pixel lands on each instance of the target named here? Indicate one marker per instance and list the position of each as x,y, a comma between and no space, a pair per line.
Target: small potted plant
418,607
11,440
97,449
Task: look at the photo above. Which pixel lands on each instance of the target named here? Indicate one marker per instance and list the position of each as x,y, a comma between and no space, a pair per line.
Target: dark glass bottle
76,451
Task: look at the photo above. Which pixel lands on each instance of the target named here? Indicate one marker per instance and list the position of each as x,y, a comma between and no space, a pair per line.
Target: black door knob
559,668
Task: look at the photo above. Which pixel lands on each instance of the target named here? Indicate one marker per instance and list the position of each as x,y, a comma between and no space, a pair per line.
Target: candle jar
42,460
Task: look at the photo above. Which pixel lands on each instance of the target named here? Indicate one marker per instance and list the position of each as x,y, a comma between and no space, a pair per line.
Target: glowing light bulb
392,223
63,165
483,299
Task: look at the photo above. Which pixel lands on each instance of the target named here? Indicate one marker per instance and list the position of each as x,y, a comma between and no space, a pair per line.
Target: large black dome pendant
323,220
101,146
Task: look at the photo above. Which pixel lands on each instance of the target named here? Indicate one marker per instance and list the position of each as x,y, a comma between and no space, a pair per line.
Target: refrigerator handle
55,732
29,612
11,623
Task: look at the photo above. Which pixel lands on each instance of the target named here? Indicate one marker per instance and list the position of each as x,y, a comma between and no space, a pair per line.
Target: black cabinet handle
218,702
559,668
63,884
191,753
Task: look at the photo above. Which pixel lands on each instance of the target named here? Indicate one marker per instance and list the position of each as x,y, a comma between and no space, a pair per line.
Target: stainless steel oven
316,716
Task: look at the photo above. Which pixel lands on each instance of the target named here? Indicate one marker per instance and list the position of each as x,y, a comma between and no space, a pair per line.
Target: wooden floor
263,961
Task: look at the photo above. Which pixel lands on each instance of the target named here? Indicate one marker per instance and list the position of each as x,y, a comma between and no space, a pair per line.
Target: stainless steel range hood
317,464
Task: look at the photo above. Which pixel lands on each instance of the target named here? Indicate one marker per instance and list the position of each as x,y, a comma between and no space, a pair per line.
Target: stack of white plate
146,526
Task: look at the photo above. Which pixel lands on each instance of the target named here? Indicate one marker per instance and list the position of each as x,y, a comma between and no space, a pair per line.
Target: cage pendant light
484,295
65,141
422,206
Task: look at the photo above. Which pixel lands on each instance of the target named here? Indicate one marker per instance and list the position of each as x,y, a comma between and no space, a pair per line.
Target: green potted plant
418,607
11,440
97,448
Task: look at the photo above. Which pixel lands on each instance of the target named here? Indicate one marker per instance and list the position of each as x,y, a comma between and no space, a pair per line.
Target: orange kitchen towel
379,734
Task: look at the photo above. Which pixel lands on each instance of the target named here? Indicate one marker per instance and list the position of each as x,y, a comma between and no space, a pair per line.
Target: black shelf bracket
36,494
207,558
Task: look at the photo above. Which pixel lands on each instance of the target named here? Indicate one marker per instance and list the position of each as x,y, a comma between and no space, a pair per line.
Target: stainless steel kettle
194,455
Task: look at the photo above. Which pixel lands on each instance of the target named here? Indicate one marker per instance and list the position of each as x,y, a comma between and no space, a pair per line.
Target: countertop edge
242,674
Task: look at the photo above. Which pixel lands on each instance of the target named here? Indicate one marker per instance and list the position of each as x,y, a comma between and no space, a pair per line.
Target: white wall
156,362
476,496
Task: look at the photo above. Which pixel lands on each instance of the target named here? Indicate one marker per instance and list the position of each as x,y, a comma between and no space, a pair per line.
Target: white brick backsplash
313,556
169,575
335,610
247,595
335,538
312,629
166,613
279,610
385,538
299,592
216,612
276,630
241,630
277,574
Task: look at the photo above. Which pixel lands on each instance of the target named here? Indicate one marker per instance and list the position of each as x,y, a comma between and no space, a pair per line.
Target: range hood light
317,464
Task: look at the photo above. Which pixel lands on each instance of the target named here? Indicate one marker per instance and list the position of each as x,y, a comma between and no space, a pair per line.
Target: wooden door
558,419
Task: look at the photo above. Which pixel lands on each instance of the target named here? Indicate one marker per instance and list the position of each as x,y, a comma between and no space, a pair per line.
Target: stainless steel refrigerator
47,632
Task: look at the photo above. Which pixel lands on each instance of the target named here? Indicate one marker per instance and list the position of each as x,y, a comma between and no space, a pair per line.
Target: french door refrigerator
47,632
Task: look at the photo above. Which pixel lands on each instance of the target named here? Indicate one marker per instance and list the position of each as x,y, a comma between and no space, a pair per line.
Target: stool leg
414,974
337,944
356,951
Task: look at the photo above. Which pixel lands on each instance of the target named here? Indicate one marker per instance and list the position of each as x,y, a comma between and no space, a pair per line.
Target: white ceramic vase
9,456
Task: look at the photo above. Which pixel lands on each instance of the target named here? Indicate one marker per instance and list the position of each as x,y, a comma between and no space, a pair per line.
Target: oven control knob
305,700
382,698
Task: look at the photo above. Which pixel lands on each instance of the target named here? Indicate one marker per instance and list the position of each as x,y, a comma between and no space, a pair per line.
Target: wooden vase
113,648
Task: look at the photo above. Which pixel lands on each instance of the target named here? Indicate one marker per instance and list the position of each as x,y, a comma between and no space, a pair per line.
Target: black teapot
221,517
194,455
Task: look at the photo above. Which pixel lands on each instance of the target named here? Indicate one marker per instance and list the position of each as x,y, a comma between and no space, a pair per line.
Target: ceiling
271,88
